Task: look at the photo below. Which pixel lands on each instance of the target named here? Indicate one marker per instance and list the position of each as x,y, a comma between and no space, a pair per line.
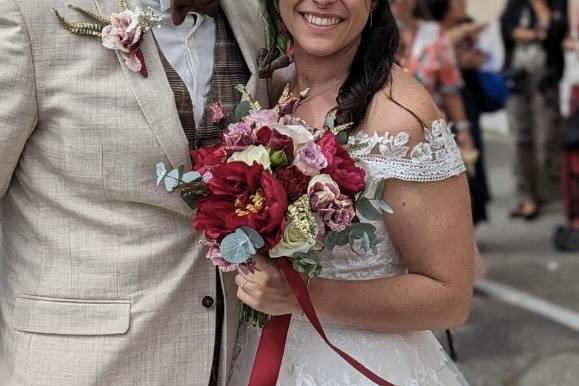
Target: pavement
507,343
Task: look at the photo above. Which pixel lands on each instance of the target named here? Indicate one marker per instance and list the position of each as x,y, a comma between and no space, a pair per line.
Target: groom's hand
267,289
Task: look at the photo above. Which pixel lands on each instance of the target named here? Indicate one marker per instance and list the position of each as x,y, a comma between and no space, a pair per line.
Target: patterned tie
181,8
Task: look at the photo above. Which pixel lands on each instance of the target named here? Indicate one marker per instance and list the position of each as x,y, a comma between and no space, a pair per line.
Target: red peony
341,167
294,182
206,158
241,195
275,141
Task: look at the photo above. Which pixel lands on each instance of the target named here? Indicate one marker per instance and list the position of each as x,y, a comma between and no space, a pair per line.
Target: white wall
485,10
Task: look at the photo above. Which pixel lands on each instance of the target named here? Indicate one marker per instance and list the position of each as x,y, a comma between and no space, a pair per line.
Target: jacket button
208,302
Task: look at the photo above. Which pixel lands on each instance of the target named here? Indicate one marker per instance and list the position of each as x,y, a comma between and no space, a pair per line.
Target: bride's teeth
322,21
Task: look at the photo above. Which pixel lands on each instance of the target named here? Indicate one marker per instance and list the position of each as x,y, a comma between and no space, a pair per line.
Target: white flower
253,154
291,243
299,134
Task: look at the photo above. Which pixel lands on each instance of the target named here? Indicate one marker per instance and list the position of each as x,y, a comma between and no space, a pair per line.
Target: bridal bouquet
276,186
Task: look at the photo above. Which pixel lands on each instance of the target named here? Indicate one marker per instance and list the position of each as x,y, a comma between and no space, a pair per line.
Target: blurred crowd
457,59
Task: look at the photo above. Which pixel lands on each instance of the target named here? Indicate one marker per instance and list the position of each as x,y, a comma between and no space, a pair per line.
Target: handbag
495,91
570,132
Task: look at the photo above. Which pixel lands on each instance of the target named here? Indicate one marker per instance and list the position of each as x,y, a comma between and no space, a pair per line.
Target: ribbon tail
270,350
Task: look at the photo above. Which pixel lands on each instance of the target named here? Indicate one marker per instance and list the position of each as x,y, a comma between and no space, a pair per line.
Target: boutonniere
122,32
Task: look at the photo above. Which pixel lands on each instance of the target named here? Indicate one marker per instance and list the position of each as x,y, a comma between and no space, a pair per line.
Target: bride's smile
325,27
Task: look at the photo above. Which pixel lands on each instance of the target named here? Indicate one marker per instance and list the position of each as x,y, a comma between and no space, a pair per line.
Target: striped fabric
229,70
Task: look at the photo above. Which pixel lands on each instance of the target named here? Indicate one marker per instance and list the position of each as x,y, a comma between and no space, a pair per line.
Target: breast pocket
58,316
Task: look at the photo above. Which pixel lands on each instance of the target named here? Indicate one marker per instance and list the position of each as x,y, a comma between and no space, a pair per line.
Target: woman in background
430,58
463,33
533,32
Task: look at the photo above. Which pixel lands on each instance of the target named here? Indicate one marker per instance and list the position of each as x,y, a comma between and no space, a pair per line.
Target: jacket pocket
58,316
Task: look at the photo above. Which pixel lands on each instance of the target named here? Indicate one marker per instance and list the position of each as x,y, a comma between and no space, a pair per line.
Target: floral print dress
431,59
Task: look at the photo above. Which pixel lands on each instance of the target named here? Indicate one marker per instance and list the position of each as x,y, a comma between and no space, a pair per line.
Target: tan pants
535,121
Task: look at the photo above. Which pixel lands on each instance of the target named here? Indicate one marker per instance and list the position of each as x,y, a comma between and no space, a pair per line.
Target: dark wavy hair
438,9
370,70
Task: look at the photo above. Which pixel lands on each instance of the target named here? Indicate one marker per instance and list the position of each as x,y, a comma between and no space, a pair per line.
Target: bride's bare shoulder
404,104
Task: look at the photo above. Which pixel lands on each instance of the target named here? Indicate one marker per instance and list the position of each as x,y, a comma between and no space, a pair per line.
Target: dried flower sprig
122,32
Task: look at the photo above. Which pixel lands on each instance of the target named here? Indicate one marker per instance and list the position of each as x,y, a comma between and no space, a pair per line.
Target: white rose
291,243
299,134
253,154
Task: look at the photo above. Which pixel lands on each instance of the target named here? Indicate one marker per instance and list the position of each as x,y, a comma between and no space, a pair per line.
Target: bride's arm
432,229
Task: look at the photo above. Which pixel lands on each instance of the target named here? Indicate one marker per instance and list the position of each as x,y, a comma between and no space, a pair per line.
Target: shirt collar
165,5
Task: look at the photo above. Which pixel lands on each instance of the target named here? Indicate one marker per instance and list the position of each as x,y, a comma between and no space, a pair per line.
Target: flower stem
255,318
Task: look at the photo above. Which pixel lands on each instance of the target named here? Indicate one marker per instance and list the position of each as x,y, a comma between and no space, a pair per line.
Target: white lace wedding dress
410,359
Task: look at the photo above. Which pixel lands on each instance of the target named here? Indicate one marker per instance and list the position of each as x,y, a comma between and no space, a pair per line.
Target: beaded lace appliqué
390,156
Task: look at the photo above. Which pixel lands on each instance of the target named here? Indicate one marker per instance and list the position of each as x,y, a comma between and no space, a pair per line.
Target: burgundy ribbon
269,355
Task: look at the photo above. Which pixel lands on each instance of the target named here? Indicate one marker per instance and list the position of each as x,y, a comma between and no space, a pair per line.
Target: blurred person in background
567,236
463,32
430,57
533,32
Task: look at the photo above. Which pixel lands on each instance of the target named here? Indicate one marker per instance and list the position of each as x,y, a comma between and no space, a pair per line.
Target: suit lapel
154,95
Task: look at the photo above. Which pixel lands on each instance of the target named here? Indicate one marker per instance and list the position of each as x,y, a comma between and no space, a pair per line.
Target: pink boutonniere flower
122,32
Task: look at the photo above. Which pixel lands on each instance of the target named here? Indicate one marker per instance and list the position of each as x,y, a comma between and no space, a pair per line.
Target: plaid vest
229,70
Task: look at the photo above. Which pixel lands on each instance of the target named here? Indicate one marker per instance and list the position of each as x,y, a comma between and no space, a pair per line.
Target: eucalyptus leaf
161,171
172,180
342,137
367,210
256,240
330,122
379,194
190,177
334,239
307,262
237,248
384,206
242,110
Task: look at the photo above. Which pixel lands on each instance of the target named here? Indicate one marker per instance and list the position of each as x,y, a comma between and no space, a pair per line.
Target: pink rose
309,159
335,209
124,32
239,135
262,118
340,214
322,192
217,114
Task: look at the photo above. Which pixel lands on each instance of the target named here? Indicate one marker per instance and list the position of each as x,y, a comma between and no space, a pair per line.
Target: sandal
527,210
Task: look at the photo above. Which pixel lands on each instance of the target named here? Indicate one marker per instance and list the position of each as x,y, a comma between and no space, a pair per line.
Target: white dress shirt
189,48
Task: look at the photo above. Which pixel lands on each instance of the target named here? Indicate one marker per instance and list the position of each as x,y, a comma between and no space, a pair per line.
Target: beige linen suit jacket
102,280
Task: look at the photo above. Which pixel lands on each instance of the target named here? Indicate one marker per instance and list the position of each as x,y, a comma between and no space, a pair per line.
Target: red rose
294,182
341,167
206,158
275,141
241,195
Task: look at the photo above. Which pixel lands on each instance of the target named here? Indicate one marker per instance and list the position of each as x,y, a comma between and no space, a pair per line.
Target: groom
101,280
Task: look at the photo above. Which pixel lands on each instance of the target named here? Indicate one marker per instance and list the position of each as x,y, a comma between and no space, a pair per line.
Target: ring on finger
243,284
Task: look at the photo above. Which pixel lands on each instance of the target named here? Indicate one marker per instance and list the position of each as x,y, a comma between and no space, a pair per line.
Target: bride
380,307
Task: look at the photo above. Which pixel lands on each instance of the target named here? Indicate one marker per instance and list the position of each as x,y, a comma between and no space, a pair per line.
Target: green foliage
91,15
357,233
307,262
83,29
241,245
241,111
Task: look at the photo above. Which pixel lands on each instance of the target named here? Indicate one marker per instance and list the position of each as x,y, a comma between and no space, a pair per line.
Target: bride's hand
267,289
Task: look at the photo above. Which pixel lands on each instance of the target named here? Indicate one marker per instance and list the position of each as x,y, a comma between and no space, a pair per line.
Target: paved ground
503,344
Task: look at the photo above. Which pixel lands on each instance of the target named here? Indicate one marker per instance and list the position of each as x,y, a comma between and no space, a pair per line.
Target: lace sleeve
393,156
